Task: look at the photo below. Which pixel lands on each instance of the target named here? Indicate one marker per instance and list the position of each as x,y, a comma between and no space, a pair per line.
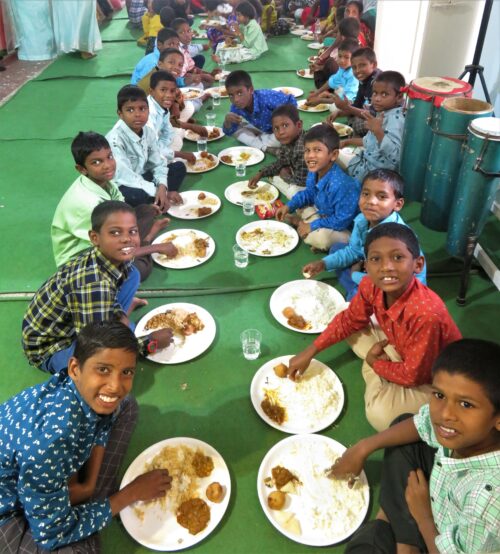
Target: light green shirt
465,496
71,223
254,39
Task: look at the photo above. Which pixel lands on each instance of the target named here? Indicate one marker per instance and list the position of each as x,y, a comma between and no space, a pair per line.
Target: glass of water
240,256
241,169
248,206
210,118
216,98
250,343
202,144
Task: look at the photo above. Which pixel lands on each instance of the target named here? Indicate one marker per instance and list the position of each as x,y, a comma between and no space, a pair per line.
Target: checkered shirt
465,496
292,156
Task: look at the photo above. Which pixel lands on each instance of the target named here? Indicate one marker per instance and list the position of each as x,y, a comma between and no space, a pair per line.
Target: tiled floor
16,74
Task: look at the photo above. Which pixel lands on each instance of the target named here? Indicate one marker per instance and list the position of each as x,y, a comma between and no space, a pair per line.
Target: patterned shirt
292,156
188,64
135,155
418,325
465,496
82,291
384,155
335,196
47,433
265,101
345,78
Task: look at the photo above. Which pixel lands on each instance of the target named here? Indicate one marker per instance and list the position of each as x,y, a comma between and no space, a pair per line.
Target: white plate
197,168
307,73
312,109
187,210
182,350
192,136
312,59
200,35
315,46
233,192
307,36
342,129
328,511
256,155
183,238
235,47
290,90
267,245
221,90
191,93
306,411
298,32
317,302
212,22
159,529
221,76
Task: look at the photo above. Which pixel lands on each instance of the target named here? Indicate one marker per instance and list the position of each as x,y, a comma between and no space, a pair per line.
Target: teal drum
449,134
477,183
424,98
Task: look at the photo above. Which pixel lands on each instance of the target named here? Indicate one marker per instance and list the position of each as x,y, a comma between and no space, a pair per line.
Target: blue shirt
145,65
384,155
47,433
264,103
159,121
335,196
345,78
355,250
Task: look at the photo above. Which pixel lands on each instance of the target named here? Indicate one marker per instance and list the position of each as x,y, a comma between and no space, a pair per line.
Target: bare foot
215,58
87,55
137,303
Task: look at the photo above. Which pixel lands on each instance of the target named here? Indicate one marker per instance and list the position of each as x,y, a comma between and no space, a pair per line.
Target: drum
425,96
477,183
449,134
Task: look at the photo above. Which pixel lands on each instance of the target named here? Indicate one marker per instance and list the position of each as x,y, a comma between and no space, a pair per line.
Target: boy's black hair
349,27
177,22
246,9
130,93
165,53
396,231
393,78
257,6
85,143
348,45
166,33
211,5
287,110
475,359
158,76
365,52
358,4
167,15
103,210
324,134
393,178
104,334
158,5
239,78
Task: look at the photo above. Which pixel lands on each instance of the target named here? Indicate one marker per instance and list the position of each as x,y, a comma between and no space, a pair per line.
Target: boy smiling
440,494
414,327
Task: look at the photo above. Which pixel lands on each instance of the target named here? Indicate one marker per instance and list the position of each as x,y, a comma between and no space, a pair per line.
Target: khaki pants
384,401
322,238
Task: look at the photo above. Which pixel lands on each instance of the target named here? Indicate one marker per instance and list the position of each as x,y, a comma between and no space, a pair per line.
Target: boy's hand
281,212
193,79
164,337
161,199
299,363
418,497
167,249
253,182
376,352
188,156
231,119
314,268
158,225
373,123
199,130
331,118
349,465
175,198
151,485
341,103
286,173
303,229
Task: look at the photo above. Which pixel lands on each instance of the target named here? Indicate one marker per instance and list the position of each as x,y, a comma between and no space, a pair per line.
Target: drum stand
474,71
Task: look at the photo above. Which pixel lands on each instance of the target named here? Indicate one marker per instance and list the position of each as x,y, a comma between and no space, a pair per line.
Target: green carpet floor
36,128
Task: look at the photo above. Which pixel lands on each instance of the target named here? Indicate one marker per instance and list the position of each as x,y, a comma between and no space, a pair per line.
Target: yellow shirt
265,14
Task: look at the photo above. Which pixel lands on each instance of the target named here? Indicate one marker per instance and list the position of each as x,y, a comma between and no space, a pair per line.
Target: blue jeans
344,275
59,361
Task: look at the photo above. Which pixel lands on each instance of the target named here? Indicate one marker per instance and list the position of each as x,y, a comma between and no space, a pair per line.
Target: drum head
486,126
441,86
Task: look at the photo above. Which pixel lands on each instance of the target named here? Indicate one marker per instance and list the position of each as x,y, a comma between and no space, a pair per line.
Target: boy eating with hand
327,206
61,444
414,327
289,170
99,284
440,477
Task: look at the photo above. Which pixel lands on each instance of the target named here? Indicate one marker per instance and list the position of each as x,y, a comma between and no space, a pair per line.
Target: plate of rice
267,238
193,248
306,306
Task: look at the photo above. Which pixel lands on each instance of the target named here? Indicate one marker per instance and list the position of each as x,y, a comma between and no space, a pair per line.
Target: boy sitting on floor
61,444
97,285
380,201
71,222
254,106
414,327
141,172
330,200
382,143
289,170
445,500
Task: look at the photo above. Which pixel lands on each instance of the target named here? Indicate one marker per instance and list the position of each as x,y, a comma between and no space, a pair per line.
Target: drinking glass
210,118
202,144
248,206
241,169
240,256
250,343
216,98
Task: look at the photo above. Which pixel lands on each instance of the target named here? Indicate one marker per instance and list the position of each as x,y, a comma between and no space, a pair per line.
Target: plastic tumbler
216,98
241,169
202,144
210,118
240,256
248,206
250,343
